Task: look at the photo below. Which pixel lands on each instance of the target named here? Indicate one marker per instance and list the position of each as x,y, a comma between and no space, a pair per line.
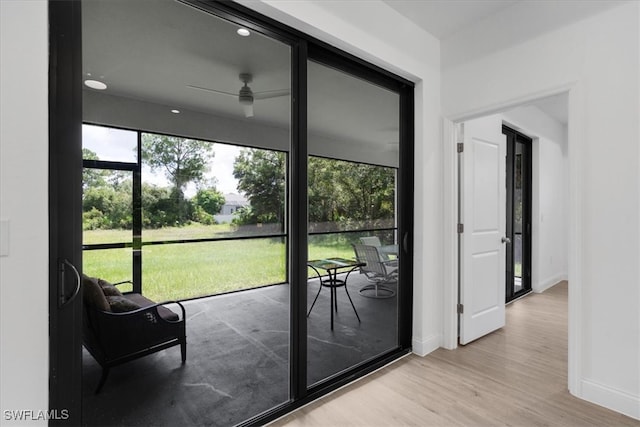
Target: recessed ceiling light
243,32
175,111
95,84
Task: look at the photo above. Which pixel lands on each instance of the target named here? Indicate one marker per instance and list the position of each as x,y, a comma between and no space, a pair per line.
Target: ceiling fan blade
248,110
271,93
206,89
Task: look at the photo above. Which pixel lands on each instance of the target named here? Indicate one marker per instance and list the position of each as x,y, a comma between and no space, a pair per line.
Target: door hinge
460,228
460,146
460,308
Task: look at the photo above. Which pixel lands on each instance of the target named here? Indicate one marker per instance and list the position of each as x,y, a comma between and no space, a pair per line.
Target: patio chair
375,241
380,273
119,327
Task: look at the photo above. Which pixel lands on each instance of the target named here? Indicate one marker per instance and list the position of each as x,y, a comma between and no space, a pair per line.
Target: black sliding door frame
303,47
65,213
516,139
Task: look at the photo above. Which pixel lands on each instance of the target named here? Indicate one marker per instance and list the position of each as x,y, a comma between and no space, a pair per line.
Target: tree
182,160
107,206
92,178
261,176
341,192
210,200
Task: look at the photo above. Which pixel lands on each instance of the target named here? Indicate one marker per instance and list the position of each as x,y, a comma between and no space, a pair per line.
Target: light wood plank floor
516,376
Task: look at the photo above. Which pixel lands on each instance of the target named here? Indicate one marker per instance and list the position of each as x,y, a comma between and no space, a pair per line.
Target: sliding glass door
186,144
353,254
255,177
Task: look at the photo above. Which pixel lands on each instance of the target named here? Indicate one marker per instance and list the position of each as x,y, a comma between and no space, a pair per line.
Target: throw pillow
120,304
92,294
109,289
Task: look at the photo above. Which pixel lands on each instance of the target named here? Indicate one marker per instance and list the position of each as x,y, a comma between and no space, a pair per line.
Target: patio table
332,266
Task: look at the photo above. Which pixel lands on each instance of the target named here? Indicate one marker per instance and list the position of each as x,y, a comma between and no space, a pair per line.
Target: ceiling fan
245,95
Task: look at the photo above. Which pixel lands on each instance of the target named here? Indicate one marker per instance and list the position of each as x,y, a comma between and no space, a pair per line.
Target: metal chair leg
315,299
351,301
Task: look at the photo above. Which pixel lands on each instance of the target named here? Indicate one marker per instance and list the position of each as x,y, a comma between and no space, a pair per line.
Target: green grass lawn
188,270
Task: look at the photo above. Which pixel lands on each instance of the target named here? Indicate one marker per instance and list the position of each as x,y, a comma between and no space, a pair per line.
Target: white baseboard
616,400
425,346
543,285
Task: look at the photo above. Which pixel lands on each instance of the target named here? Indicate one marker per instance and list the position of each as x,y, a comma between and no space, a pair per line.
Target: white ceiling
443,18
447,19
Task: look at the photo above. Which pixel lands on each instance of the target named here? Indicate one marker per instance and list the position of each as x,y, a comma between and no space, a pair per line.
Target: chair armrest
123,282
149,309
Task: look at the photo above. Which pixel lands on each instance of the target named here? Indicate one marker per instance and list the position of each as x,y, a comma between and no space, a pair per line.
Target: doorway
546,252
518,210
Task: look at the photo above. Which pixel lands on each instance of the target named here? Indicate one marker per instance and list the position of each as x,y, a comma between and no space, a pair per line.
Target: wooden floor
516,376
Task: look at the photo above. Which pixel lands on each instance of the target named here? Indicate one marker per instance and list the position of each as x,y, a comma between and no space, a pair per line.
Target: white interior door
483,215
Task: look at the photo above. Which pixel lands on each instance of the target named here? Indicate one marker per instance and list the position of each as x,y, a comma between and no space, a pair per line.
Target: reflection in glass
352,168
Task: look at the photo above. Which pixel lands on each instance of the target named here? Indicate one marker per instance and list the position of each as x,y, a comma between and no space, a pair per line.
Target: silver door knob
506,240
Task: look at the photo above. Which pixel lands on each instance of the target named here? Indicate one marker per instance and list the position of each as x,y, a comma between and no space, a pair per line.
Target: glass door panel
353,137
201,109
518,206
518,254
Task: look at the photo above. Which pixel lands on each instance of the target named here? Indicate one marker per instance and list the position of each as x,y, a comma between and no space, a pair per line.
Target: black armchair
121,327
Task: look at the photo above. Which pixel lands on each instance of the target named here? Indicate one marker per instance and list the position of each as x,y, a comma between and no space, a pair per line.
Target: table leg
333,298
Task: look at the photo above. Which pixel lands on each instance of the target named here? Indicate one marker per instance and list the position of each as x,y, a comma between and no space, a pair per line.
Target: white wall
373,31
550,193
24,276
597,59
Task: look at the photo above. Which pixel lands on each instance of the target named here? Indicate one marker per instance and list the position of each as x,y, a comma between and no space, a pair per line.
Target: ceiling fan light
248,110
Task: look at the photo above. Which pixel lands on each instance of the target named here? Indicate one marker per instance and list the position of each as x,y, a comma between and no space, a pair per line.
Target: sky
120,145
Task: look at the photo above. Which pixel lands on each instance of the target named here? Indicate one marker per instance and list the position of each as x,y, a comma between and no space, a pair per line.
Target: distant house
232,203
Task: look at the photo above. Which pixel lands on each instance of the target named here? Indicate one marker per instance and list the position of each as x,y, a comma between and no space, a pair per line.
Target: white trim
616,400
426,346
450,237
508,104
575,134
